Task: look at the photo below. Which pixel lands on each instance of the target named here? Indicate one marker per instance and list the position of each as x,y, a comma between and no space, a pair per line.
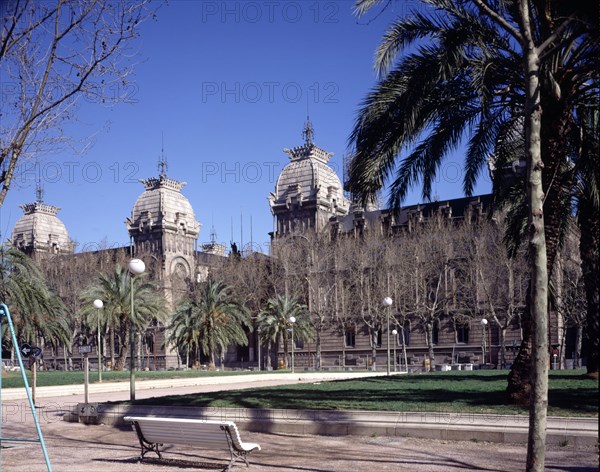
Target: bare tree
432,251
500,280
52,54
568,297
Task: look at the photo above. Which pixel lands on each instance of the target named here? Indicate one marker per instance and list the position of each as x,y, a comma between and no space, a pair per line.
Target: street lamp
136,267
387,301
292,321
258,331
98,305
395,334
484,323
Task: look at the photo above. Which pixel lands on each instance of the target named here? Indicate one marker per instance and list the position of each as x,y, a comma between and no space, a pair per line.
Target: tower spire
308,133
163,165
39,191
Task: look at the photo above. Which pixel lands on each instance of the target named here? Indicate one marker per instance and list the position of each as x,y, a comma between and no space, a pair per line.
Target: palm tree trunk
589,224
518,387
211,364
111,334
123,348
536,443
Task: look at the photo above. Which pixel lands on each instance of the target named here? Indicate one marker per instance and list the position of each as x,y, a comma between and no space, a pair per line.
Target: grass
45,379
570,394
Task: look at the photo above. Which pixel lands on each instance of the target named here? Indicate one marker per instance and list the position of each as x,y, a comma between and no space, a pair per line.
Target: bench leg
235,454
146,445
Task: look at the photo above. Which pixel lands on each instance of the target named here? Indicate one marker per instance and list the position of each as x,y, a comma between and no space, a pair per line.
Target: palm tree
184,331
458,81
470,77
211,319
114,289
38,313
275,326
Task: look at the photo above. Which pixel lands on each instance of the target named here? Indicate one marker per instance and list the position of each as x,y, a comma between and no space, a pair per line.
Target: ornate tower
39,232
163,227
308,192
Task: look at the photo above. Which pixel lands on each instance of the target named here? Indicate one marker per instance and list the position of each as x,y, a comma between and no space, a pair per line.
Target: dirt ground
79,448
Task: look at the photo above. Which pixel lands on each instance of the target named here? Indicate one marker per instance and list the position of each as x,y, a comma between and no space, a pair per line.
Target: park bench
153,432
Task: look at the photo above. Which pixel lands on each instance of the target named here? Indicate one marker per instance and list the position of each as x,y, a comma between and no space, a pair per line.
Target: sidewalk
250,380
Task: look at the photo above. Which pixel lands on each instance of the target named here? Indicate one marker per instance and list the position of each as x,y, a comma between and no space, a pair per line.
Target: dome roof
40,229
163,206
308,176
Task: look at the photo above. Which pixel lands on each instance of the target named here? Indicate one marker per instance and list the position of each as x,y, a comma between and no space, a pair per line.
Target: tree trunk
318,348
538,409
589,224
343,363
519,377
404,348
429,327
211,362
502,346
373,349
123,349
285,351
578,346
111,334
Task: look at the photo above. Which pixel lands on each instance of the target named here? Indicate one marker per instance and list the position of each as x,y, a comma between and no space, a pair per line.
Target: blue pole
5,312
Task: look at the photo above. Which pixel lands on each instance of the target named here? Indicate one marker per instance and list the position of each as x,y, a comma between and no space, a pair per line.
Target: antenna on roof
162,160
39,189
213,235
308,133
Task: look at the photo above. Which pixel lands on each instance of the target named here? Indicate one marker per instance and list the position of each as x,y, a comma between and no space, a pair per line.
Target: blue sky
228,85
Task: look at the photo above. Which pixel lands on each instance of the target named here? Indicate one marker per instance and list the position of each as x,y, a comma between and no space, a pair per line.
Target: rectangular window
435,335
462,333
350,339
404,334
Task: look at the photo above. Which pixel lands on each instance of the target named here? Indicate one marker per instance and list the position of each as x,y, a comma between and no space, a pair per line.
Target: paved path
76,447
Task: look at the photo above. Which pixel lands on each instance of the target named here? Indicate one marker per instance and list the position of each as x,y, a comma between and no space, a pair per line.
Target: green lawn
571,394
44,379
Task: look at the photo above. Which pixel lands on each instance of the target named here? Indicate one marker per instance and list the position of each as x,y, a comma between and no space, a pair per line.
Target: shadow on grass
452,392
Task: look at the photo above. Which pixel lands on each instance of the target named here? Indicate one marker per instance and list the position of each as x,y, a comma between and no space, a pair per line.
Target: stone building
308,196
163,231
163,224
308,192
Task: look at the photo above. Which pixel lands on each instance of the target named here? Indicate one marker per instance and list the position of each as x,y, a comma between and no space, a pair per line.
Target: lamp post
136,267
98,305
292,321
387,301
395,333
258,330
484,323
